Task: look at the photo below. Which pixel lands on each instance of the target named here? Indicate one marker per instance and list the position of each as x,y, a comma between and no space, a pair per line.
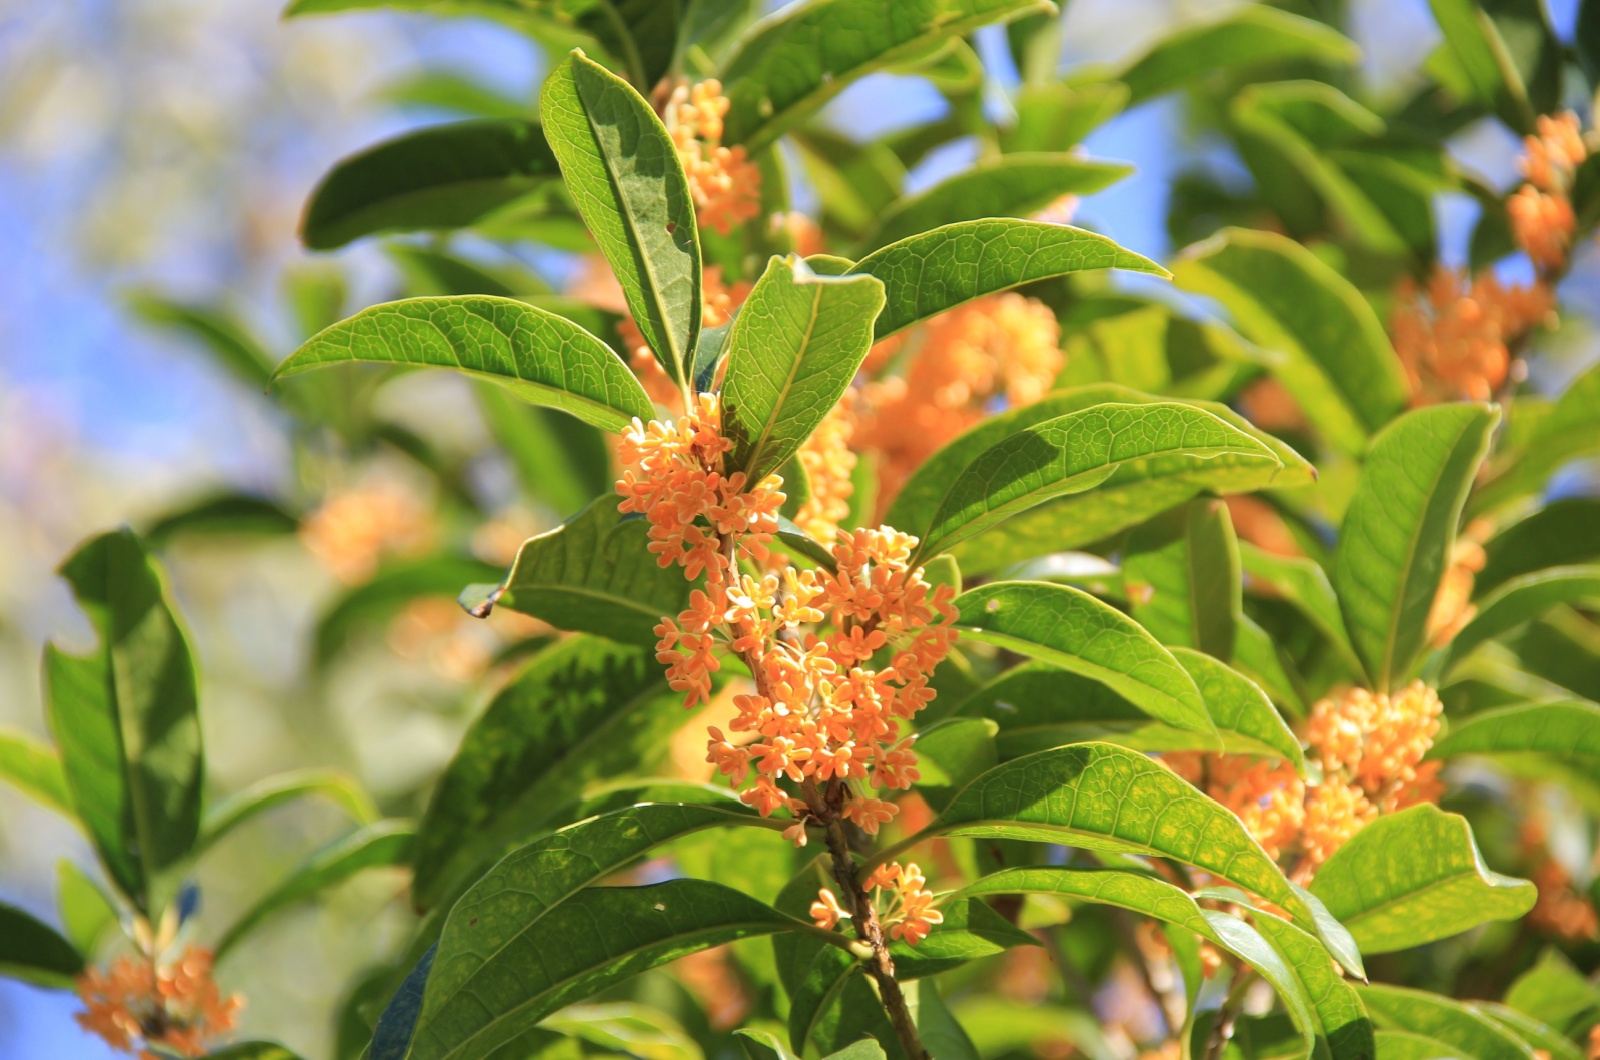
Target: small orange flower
1268,797
353,530
1335,812
1452,604
1559,910
138,1003
829,462
726,186
826,910
1543,225
1454,339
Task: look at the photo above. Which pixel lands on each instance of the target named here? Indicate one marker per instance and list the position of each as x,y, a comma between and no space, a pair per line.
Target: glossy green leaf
1070,454
581,711
1071,629
623,171
1558,535
1304,585
1570,727
594,574
928,273
1530,1030
278,789
1316,332
1240,38
1340,1018
34,768
1469,1034
1554,992
386,593
383,844
1013,185
437,178
971,930
1508,54
762,1045
951,753
1240,710
218,331
126,718
508,958
1260,658
1414,877
86,912
540,357
32,950
1570,429
223,514
1526,598
1181,571
793,62
1399,528
792,352
1402,1045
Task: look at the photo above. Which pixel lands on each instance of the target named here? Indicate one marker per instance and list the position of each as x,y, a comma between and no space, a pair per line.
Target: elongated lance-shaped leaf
1237,40
384,844
926,274
34,951
1239,708
1304,585
1468,1034
87,912
537,355
1183,580
1554,992
1014,185
1156,898
1070,454
792,352
1318,334
581,711
595,574
1561,534
126,718
1535,1033
1526,598
792,63
1570,429
34,768
274,791
624,1027
1399,529
1564,727
437,178
1414,877
1519,77
1067,627
623,172
504,963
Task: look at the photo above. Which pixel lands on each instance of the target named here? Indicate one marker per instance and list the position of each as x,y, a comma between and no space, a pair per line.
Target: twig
1227,1015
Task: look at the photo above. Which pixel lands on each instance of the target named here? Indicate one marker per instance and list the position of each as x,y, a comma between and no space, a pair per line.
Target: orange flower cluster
1002,348
905,905
1452,604
829,462
1542,220
725,184
1454,338
820,711
137,1003
353,530
718,301
1559,910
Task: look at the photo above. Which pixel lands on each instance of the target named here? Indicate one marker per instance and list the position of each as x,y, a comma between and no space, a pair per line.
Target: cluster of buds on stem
1542,220
140,1003
903,902
726,185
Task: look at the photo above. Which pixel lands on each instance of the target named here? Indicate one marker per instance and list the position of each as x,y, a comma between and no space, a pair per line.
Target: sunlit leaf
1304,585
1570,429
1182,577
1570,727
1467,1033
1240,38
34,768
1525,598
1559,534
229,813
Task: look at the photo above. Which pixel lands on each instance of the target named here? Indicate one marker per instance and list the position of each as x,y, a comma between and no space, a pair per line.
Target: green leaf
594,574
279,789
1401,1045
971,930
1155,898
762,1045
559,461
928,273
386,593
623,171
1570,429
793,62
225,513
1413,877
225,337
1530,1030
508,958
1260,658
580,711
1012,185
792,352
951,753
31,950
86,913
1071,629
1340,1018
1183,580
1554,992
537,355
1054,116
1038,706
34,768
252,1051
1100,797
438,178
383,844
1570,727
642,35
1508,54
626,1028
1241,38
1304,585
1070,454
1559,534
1468,1034
1317,333
1399,528
1526,598
126,718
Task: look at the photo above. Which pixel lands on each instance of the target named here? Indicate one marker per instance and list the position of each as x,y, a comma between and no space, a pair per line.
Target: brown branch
1227,1015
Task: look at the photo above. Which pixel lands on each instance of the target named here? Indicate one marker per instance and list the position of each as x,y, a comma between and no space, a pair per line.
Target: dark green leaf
792,352
1399,528
1013,185
594,574
34,768
951,753
384,844
224,336
34,951
1559,534
1071,629
1526,598
971,930
1183,579
928,273
1317,333
223,514
1414,877
438,178
388,592
1241,38
126,718
1508,53
623,171
540,357
1570,727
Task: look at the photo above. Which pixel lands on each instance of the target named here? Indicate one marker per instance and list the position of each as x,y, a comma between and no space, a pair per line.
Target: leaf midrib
790,376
